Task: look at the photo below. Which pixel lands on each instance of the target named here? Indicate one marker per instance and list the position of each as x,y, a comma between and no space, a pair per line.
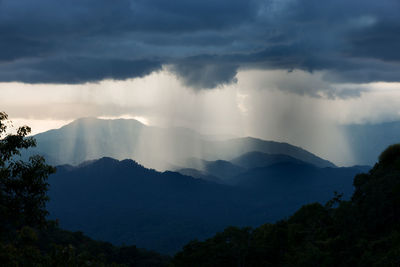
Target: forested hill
364,231
27,237
361,231
123,202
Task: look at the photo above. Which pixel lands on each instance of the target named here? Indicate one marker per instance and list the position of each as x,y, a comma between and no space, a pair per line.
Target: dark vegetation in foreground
241,182
26,237
124,202
364,231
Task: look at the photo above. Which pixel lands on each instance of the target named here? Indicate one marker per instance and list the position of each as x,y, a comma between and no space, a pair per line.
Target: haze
290,71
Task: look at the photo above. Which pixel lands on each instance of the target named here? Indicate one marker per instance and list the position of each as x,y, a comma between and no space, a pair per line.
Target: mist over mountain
367,141
220,182
362,231
223,171
241,113
123,202
154,147
90,138
256,159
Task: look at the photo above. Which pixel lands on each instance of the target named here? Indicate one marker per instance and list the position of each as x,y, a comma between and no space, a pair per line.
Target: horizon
216,137
265,132
288,71
344,160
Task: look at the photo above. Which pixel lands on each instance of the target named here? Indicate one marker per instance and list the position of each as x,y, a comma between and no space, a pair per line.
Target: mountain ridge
121,201
158,148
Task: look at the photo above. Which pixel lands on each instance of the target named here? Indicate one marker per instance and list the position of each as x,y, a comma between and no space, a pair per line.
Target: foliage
26,237
364,231
23,185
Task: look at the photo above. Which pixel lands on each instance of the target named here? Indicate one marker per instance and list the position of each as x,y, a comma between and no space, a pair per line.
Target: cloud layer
204,43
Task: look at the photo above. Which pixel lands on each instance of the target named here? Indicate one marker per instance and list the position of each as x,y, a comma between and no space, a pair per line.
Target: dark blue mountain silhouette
218,171
123,202
222,171
255,159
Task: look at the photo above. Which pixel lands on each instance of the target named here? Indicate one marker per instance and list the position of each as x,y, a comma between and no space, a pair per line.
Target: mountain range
127,183
126,203
222,171
165,148
154,147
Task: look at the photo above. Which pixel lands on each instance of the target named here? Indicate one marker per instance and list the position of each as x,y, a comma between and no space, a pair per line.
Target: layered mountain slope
159,148
224,171
257,159
233,148
123,202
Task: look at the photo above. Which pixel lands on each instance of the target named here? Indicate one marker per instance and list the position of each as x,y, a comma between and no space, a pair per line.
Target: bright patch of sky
268,104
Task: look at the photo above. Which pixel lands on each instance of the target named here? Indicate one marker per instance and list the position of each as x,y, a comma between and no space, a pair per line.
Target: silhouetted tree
26,237
23,185
364,231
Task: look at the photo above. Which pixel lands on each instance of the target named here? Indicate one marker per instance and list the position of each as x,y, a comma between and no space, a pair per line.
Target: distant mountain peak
92,138
85,120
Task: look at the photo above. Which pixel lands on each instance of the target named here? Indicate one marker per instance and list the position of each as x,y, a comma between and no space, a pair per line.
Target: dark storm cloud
205,76
381,41
205,42
73,70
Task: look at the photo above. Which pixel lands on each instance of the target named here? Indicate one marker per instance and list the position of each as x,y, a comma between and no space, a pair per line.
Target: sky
285,70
